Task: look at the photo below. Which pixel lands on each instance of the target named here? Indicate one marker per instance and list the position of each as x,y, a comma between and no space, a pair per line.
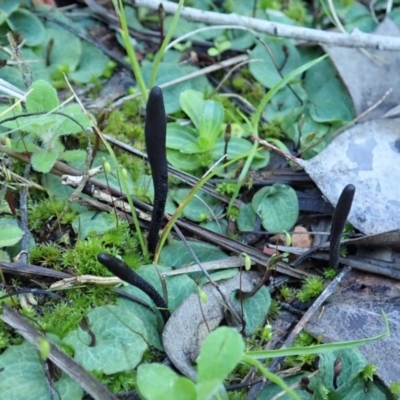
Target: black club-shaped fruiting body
339,219
155,131
122,271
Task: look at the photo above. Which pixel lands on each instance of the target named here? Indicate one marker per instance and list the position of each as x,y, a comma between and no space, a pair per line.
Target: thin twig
354,39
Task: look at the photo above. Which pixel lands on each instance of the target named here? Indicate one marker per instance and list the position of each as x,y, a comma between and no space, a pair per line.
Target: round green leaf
169,384
119,340
23,377
327,94
43,97
247,218
170,71
277,206
29,25
265,72
91,66
8,6
255,309
10,235
221,351
43,161
66,49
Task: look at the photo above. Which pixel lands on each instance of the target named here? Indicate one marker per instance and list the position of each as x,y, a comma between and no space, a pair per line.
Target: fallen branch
354,39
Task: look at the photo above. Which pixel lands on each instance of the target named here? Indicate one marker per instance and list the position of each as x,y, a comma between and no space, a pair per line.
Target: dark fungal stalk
122,271
155,130
339,219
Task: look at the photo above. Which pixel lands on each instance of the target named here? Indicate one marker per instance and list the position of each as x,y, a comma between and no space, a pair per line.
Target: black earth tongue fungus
339,219
122,271
155,131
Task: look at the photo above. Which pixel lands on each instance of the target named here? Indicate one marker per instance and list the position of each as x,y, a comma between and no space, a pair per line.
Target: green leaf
10,235
247,218
66,48
91,66
273,390
182,138
37,66
93,221
236,148
29,25
185,162
277,206
255,309
220,226
169,72
67,125
178,287
8,6
169,384
329,99
210,124
178,255
265,72
54,188
191,102
23,377
201,208
74,156
119,340
44,161
285,105
183,389
43,97
221,351
151,320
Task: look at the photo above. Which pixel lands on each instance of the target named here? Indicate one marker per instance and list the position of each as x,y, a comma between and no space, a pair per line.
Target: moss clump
47,255
39,213
304,339
83,257
312,287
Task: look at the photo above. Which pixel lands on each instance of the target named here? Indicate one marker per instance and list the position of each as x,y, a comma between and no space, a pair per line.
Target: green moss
274,309
120,382
83,257
330,273
297,11
61,318
42,211
126,122
287,293
226,188
312,287
46,254
273,129
133,165
304,339
395,387
234,213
